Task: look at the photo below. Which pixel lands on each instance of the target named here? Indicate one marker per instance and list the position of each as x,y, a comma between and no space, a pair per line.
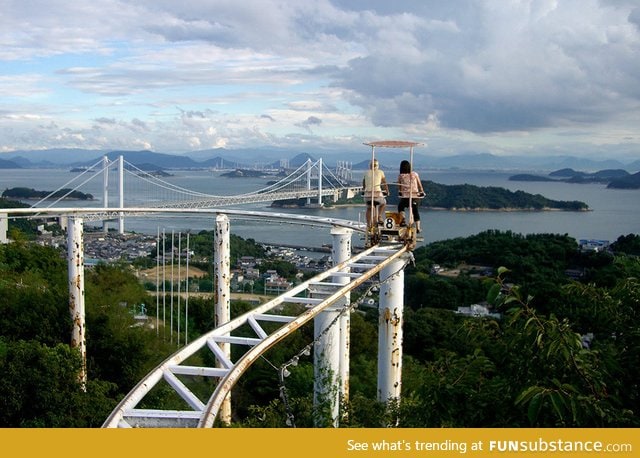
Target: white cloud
182,75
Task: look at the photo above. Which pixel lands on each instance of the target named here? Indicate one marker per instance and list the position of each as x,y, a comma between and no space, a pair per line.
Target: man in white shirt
375,188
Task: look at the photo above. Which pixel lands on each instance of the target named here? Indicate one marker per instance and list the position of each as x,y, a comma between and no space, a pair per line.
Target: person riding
410,191
375,188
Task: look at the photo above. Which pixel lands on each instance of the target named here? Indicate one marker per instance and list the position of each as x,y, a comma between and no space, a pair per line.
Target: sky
531,77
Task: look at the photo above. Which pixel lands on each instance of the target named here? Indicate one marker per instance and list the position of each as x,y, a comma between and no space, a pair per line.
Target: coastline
456,209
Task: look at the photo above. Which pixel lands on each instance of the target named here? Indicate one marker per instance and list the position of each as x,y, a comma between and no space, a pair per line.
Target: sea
612,212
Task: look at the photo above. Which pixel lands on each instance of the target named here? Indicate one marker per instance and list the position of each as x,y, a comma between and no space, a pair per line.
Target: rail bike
393,228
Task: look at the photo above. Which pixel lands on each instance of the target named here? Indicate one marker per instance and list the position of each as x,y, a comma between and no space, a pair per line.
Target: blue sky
534,77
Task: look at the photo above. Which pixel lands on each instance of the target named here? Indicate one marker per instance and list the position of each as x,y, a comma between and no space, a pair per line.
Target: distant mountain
273,156
167,161
493,162
634,166
300,159
564,173
249,157
569,175
22,162
58,156
4,164
529,177
221,163
628,182
610,174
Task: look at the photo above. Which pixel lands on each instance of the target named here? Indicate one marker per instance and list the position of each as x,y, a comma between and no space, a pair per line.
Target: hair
405,167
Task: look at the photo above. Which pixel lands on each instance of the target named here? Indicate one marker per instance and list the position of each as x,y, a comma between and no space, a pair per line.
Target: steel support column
341,251
4,227
222,267
75,263
331,352
390,318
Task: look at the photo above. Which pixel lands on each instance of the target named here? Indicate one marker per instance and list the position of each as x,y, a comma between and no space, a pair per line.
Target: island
155,173
250,173
628,182
617,177
467,197
30,193
471,197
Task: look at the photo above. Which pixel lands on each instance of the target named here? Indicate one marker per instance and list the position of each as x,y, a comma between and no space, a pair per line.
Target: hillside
358,156
628,182
4,164
472,198
568,175
562,352
30,193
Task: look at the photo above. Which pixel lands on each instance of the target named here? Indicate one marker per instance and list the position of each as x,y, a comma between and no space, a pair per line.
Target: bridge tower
105,188
319,182
121,193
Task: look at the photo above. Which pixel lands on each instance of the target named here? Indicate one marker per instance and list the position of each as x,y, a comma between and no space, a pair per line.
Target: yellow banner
329,443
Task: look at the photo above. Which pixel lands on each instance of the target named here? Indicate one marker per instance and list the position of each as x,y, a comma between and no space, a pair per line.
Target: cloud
520,66
309,122
472,72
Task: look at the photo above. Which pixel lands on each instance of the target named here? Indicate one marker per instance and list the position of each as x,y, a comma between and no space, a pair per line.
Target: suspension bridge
324,300
311,180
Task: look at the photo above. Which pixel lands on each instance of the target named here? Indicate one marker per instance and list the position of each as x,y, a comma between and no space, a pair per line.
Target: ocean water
612,212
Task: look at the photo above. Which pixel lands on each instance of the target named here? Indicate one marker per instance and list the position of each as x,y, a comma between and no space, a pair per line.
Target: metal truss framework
315,295
267,322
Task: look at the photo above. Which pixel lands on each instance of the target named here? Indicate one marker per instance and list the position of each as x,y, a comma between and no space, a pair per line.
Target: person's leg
403,203
381,214
416,215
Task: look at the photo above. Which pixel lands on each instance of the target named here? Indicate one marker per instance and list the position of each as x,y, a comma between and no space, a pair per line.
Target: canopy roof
392,144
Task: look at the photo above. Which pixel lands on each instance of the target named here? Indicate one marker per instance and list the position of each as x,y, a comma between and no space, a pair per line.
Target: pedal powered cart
395,228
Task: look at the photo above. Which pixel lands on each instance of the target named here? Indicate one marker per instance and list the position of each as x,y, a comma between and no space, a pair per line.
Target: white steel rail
97,213
203,413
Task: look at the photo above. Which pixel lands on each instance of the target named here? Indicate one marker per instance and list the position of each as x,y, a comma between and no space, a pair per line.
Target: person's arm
420,188
384,183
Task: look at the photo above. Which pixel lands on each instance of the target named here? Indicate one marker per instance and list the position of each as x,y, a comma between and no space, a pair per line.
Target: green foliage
19,228
467,196
30,193
202,245
39,387
530,368
628,244
491,197
284,268
39,371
